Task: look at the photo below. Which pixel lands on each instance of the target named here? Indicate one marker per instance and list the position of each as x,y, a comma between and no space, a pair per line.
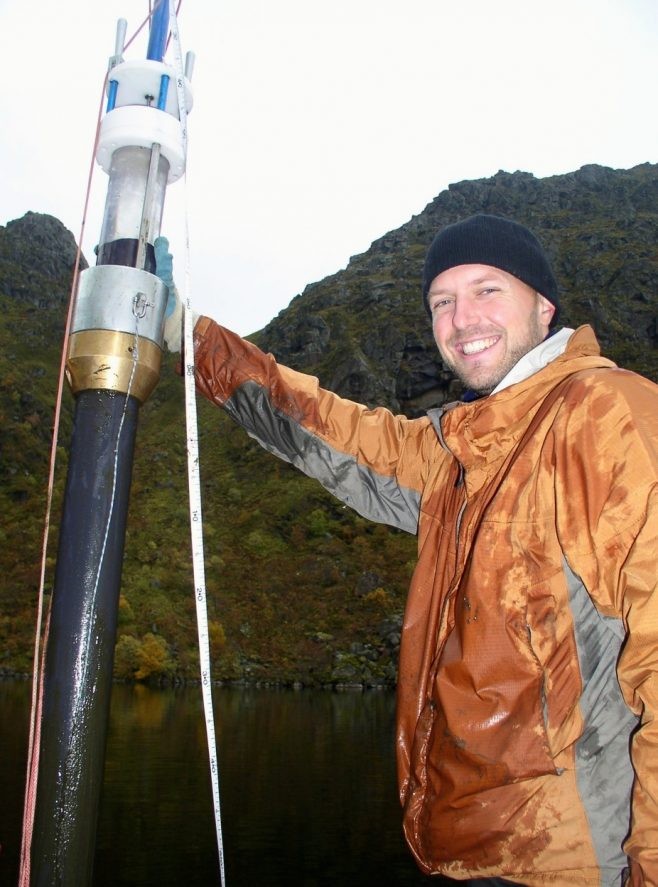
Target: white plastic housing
136,121
140,78
141,127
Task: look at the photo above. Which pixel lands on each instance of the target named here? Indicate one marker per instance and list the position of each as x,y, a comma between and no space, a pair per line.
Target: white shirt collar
540,356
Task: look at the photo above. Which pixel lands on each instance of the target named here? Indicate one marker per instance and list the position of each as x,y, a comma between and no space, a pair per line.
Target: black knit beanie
492,240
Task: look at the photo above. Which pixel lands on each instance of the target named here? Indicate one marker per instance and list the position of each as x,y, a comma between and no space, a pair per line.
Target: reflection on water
307,787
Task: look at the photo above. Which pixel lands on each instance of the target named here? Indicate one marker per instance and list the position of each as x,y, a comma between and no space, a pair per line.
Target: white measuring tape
194,482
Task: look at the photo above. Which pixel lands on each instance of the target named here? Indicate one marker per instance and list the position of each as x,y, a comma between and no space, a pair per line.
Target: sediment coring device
114,352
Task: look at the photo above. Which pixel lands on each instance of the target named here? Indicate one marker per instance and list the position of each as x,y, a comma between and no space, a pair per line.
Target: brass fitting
113,361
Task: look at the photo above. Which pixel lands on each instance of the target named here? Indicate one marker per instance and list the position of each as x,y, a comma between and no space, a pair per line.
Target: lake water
307,786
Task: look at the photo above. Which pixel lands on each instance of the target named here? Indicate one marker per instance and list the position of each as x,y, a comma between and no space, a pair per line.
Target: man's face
484,320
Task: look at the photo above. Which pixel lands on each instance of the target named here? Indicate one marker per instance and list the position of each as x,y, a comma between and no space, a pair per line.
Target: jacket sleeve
369,458
613,539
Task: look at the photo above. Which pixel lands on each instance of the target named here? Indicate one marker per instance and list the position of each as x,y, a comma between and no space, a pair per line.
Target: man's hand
164,265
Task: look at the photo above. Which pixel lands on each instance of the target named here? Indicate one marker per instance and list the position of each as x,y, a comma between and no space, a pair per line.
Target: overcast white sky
319,126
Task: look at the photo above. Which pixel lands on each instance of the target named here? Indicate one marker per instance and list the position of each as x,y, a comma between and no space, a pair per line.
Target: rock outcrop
365,333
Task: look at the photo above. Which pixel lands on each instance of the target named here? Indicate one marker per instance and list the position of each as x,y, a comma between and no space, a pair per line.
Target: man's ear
545,311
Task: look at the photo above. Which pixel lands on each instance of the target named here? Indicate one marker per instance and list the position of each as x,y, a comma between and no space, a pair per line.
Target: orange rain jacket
529,651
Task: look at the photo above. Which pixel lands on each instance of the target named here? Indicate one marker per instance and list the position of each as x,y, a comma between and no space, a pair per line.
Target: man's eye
439,304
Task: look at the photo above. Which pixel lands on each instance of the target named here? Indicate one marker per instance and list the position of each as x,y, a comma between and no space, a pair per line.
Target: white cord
194,484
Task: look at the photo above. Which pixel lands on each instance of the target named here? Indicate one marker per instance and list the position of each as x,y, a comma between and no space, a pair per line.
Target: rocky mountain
37,257
300,589
366,334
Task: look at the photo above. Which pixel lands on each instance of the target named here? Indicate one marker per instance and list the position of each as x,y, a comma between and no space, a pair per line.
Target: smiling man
527,721
491,295
484,321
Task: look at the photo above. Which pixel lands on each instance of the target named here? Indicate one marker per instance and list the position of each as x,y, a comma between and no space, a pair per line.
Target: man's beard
483,381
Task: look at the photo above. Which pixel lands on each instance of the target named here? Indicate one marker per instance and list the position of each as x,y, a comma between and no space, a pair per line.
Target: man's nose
465,312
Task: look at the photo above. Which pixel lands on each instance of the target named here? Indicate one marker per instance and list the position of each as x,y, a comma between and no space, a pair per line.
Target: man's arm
370,459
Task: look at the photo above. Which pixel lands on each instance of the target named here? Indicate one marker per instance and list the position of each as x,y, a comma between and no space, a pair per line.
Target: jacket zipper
462,508
459,482
451,593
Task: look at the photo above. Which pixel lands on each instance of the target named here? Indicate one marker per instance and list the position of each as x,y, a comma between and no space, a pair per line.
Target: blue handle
159,32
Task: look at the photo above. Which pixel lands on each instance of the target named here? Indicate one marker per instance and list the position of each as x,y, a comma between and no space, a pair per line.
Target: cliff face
365,332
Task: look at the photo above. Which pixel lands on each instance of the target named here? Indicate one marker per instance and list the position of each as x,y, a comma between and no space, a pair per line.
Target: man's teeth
478,345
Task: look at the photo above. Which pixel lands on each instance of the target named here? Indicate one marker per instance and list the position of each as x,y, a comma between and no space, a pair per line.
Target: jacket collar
547,350
540,356
480,434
